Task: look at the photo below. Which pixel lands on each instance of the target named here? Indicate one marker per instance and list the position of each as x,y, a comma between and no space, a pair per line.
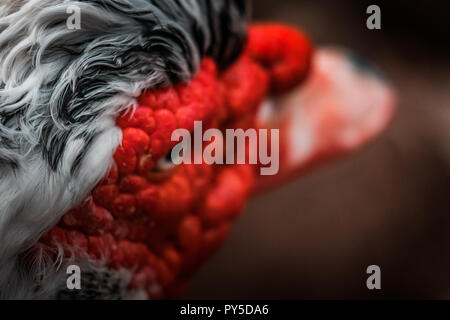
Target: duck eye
165,163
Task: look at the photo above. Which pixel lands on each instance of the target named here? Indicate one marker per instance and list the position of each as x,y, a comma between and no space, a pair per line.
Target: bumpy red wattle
162,224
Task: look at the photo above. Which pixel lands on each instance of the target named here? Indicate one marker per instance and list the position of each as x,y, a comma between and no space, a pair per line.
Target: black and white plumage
60,92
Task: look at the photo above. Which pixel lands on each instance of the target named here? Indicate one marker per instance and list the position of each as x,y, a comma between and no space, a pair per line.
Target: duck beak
344,104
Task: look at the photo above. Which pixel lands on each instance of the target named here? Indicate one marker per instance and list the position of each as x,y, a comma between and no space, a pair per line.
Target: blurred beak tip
343,105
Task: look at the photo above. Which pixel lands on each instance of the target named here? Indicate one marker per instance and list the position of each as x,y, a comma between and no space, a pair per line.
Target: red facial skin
164,225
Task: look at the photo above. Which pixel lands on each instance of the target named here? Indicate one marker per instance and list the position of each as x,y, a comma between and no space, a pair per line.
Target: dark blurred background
388,204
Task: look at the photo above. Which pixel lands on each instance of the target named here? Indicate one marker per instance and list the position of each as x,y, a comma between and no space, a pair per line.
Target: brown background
387,204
